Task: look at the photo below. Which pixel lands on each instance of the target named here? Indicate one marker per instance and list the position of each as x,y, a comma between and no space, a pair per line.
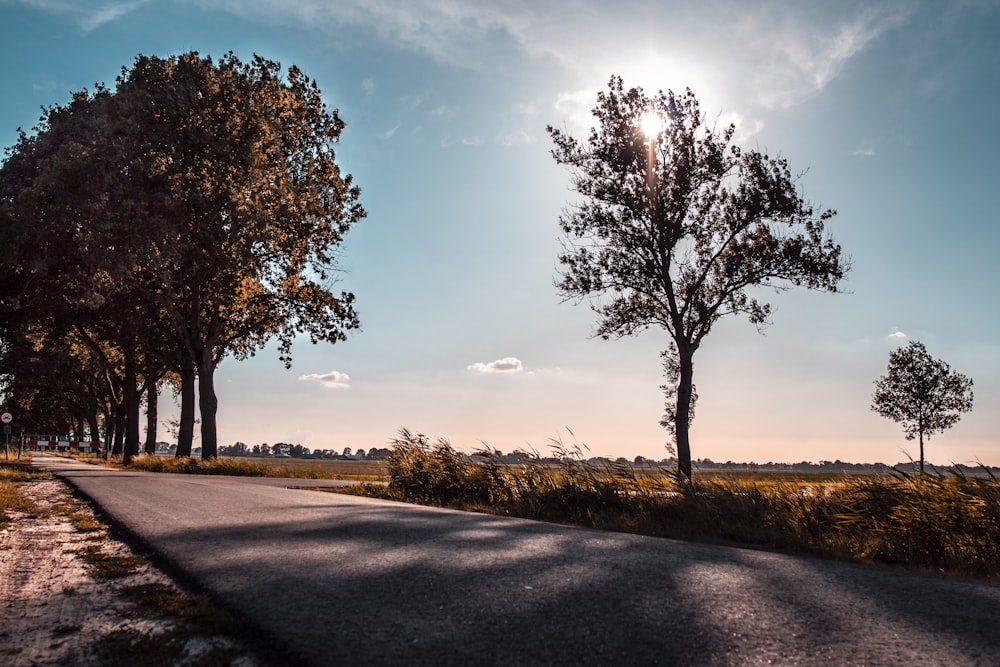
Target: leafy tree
921,393
256,209
78,204
677,224
194,212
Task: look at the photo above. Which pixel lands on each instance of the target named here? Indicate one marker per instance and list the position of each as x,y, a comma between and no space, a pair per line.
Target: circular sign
6,417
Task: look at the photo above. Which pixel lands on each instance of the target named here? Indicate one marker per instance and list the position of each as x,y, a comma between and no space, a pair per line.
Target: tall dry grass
367,471
193,466
12,475
948,521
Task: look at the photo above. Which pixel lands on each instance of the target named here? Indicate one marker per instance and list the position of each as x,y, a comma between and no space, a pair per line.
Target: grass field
361,470
357,470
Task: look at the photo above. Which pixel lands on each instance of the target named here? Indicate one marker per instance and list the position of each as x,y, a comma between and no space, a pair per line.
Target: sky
886,109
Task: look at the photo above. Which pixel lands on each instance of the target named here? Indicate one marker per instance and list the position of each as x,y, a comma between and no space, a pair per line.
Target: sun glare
651,123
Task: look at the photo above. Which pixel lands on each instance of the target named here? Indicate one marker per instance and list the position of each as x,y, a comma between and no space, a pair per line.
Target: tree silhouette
676,224
257,209
921,393
193,213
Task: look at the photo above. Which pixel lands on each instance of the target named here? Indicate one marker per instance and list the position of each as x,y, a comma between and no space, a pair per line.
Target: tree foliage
194,212
921,393
676,227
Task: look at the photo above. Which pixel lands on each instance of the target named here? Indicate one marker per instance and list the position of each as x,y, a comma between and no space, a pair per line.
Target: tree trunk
109,429
152,394
131,399
118,421
921,452
185,430
208,404
94,426
685,390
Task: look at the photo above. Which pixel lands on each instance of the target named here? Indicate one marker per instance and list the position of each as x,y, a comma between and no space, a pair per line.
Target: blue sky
887,107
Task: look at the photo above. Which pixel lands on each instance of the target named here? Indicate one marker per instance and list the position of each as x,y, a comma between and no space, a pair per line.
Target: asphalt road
344,580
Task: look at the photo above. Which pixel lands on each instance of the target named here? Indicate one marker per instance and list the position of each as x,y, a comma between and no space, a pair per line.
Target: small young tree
922,393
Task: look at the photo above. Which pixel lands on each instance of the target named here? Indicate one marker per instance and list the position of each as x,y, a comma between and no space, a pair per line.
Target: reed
943,520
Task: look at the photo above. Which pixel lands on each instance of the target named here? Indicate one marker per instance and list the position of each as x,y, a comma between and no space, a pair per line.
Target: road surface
356,581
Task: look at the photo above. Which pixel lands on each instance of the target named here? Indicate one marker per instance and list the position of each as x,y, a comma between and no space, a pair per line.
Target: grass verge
12,474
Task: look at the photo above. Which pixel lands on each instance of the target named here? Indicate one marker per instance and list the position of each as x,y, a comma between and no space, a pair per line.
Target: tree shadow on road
357,580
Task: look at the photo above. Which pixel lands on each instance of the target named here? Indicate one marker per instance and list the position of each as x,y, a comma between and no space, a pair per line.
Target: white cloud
767,55
897,334
575,106
368,86
507,365
864,152
108,13
443,111
331,380
515,138
411,102
798,55
88,14
391,132
745,129
529,109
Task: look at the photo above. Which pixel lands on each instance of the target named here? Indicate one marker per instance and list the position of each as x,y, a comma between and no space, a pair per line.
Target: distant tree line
706,464
241,449
192,213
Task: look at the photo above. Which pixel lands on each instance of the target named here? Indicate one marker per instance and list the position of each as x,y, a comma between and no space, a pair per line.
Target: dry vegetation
12,473
360,471
948,521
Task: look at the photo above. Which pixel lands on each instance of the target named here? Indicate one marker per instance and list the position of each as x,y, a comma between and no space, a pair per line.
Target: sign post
6,418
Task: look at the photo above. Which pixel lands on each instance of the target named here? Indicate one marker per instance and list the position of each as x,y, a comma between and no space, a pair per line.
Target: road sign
6,417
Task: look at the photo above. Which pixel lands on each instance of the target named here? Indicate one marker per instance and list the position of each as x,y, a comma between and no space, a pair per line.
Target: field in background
352,470
360,470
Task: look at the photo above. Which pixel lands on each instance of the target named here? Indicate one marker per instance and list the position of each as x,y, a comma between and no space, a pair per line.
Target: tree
256,209
74,191
921,393
193,213
676,225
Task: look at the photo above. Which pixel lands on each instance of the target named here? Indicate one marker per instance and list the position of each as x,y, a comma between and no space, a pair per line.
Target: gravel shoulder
79,596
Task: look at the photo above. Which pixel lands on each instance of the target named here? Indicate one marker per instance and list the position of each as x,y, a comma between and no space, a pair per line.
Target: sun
651,123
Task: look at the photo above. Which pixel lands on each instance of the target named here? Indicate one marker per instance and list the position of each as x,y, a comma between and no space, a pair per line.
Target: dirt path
72,595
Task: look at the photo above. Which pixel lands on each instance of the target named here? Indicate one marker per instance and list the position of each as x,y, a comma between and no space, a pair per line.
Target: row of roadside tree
191,213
